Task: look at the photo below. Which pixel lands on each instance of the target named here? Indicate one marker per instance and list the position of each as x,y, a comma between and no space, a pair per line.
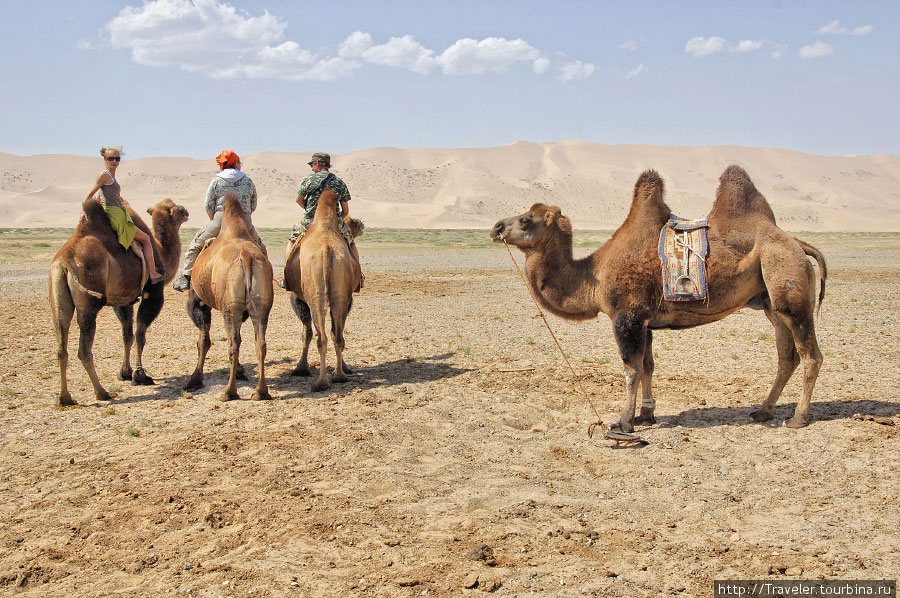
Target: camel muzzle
498,233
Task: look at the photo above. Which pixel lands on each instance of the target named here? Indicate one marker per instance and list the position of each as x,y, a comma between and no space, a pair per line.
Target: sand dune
473,187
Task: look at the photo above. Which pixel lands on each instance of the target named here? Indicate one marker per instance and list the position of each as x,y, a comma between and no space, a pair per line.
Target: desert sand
472,188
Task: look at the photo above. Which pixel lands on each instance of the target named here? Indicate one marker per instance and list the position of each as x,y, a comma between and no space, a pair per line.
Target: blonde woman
119,217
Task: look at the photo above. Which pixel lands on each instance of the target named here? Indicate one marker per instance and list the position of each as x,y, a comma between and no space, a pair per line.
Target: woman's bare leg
142,238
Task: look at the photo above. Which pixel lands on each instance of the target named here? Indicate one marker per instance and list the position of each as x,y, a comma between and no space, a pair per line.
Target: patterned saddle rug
683,247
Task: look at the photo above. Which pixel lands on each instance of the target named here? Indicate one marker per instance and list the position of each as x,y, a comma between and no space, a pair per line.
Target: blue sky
189,77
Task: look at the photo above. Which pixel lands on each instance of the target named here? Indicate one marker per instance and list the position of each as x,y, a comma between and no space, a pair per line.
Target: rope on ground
599,423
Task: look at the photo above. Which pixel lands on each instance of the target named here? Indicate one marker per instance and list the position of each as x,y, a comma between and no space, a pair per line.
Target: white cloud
540,65
835,28
702,46
470,57
403,52
214,38
355,44
577,70
816,50
635,71
628,45
747,45
778,51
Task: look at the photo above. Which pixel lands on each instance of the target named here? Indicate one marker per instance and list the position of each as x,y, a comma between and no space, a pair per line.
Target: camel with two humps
232,275
93,270
751,263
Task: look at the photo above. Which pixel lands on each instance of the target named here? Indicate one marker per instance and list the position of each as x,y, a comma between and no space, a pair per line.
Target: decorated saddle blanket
683,248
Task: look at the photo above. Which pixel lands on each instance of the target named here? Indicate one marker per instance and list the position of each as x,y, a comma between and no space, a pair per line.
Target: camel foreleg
648,403
630,331
148,310
201,316
126,318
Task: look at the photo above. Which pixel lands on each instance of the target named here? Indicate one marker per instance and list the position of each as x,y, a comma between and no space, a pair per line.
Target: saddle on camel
321,275
232,275
93,269
750,262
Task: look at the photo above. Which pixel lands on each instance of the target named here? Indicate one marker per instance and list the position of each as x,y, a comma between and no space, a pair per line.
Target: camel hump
647,205
234,221
231,204
738,195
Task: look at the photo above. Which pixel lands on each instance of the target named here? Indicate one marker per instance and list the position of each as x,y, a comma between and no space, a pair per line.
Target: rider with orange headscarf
229,179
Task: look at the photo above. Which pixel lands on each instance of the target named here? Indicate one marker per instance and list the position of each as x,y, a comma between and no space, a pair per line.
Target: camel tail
247,267
69,268
823,270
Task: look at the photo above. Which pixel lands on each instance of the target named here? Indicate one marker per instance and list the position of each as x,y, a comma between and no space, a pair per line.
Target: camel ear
150,211
551,216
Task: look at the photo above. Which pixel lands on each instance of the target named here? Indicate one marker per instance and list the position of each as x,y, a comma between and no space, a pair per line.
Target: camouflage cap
321,157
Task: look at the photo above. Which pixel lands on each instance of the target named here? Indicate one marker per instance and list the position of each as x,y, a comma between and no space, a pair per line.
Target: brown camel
93,269
321,273
233,275
751,263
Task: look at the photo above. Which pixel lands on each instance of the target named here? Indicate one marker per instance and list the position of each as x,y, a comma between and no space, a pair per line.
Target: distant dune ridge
473,187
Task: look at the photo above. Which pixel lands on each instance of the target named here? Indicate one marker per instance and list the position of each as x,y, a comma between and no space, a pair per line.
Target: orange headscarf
227,158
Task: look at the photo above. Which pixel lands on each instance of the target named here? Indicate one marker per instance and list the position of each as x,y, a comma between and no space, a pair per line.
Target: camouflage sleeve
343,192
304,187
210,205
253,196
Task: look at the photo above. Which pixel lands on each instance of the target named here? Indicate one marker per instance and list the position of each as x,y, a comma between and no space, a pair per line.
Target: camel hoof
194,384
300,371
141,378
261,396
623,426
338,379
240,374
761,416
320,386
347,369
102,395
796,422
225,397
125,374
645,418
66,400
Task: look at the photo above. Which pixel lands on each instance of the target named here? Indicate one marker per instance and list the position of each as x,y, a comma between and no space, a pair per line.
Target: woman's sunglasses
114,159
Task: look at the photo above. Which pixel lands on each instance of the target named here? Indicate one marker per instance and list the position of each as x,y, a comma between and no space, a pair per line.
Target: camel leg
148,310
808,347
233,330
87,322
338,318
318,318
648,403
630,332
201,316
62,309
788,360
302,310
126,318
260,323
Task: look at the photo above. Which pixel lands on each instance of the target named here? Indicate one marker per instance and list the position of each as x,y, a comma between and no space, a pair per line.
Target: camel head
533,229
169,212
356,226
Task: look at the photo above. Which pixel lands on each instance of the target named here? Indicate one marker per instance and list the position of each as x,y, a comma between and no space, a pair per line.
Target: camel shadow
383,375
710,417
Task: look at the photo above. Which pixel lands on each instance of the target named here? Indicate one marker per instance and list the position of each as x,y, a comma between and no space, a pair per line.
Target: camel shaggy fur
92,269
233,275
751,263
321,274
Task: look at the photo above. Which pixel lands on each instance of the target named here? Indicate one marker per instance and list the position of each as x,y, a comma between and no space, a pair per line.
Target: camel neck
562,284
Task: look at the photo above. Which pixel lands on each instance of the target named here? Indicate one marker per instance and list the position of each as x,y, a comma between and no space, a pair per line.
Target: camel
92,270
751,263
322,273
233,275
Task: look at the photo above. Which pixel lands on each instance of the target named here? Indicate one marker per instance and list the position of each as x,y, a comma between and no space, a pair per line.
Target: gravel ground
456,461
